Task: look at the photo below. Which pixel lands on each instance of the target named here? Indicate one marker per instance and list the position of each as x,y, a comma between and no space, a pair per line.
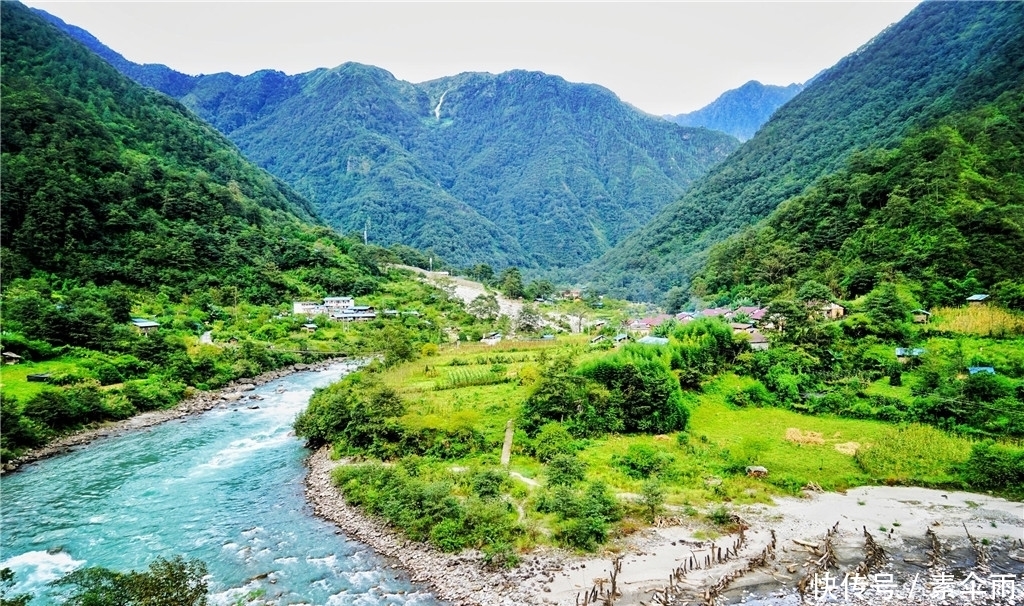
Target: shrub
641,461
566,470
756,395
995,466
488,483
553,439
66,408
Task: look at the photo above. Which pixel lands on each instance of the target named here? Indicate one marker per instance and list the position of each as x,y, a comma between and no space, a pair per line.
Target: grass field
704,465
13,379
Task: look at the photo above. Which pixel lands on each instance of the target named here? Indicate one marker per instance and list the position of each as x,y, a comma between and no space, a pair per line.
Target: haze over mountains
740,111
517,168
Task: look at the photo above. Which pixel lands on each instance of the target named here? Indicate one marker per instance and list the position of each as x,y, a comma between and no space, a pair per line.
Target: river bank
199,402
914,534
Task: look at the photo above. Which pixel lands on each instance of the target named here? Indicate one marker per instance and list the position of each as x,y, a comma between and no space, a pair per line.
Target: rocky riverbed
201,401
928,533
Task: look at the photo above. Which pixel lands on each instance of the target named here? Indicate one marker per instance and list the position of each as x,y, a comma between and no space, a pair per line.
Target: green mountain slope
943,57
945,205
517,168
107,181
741,111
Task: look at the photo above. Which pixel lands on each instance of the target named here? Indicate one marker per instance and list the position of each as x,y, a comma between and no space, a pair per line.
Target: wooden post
506,449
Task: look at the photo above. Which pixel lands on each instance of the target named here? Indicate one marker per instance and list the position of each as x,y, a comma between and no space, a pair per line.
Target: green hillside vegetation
520,168
604,440
943,58
118,203
943,211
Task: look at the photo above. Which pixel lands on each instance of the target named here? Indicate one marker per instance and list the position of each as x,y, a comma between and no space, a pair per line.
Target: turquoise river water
225,487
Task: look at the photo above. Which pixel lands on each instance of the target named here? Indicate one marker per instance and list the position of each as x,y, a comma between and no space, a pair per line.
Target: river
225,486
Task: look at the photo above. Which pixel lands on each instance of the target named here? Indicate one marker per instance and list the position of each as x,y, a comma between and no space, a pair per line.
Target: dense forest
942,58
741,111
943,211
119,203
520,168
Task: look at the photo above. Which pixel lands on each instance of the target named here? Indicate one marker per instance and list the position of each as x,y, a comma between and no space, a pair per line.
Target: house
339,303
308,308
921,316
621,338
10,357
684,317
828,309
597,339
354,315
977,299
904,354
738,327
717,312
649,340
309,327
983,370
144,326
491,338
758,342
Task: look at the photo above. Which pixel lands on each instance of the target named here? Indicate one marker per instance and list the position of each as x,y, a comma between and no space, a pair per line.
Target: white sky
662,57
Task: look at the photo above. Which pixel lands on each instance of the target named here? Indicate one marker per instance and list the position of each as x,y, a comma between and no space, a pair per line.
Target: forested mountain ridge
942,58
516,168
944,211
106,181
740,111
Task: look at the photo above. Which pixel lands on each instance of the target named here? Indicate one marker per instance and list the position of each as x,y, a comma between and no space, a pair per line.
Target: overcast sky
664,58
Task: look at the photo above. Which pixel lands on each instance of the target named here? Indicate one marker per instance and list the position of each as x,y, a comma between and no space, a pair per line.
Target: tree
540,289
484,307
174,582
652,497
814,291
528,319
510,282
676,299
6,584
395,343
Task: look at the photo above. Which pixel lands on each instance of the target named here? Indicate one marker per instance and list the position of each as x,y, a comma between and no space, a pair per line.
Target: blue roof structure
985,370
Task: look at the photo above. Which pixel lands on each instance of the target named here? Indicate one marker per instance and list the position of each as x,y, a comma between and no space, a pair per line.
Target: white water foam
34,569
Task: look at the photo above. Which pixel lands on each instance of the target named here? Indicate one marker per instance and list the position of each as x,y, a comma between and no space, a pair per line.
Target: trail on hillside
467,290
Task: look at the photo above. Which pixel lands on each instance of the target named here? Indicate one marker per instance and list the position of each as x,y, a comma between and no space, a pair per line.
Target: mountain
107,181
740,111
944,210
943,57
516,168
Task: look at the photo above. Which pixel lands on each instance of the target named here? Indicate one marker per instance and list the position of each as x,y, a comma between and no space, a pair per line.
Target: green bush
489,483
995,466
553,439
756,395
641,461
566,470
66,408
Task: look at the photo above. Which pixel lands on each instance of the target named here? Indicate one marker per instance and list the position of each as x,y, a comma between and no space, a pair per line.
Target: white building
339,303
308,308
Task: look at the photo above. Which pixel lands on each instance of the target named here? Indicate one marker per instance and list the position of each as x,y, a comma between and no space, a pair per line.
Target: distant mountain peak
741,111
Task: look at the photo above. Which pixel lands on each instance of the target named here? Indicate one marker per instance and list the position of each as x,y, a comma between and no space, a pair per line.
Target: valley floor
668,563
